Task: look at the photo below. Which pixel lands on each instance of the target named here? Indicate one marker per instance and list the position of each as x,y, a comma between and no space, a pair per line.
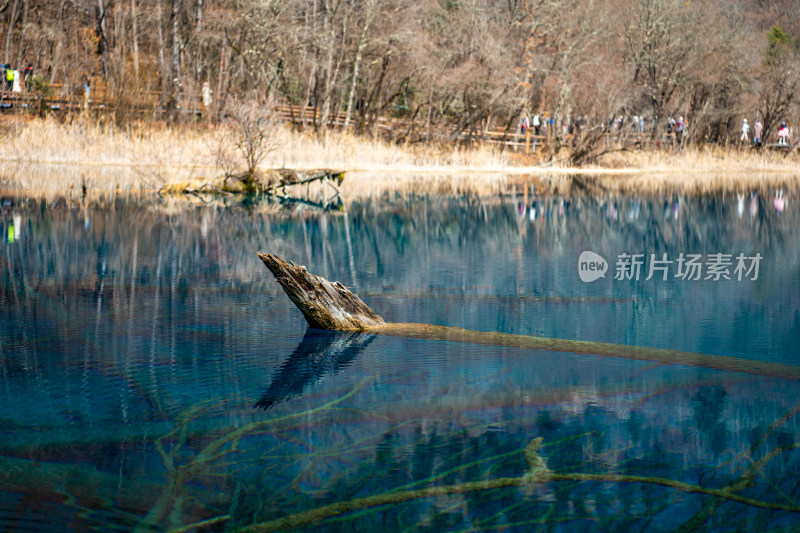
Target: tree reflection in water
321,353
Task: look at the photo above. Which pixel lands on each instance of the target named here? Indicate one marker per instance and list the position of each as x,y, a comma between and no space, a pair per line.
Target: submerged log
331,306
271,181
325,305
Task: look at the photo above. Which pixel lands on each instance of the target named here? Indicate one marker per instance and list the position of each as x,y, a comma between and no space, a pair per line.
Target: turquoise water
154,375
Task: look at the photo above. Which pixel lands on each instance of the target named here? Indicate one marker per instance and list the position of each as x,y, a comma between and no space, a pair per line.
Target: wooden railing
149,102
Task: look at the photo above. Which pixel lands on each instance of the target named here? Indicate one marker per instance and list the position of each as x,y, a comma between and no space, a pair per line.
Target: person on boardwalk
17,83
757,129
679,127
206,94
783,133
28,76
536,124
745,131
9,78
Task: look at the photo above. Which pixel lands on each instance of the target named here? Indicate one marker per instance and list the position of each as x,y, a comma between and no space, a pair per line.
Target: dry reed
45,157
709,158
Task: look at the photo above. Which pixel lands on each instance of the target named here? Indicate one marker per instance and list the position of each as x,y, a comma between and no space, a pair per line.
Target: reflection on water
135,342
319,354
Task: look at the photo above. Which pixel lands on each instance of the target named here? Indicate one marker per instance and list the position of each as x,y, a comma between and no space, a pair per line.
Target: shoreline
510,169
68,180
53,159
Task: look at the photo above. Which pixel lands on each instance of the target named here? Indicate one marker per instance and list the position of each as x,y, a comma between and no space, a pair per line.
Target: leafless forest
445,66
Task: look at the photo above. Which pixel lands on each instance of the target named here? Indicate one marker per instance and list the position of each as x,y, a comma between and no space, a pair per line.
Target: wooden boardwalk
488,131
61,104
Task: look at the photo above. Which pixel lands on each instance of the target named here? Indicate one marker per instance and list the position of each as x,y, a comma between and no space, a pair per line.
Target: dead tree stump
325,305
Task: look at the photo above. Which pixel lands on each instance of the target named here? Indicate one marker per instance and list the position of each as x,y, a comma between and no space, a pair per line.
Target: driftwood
325,305
272,181
285,178
331,306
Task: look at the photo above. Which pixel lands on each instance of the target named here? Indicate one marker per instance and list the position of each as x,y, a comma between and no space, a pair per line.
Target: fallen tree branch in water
604,349
538,474
199,525
173,494
331,306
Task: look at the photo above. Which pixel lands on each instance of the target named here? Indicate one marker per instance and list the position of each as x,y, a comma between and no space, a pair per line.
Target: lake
153,374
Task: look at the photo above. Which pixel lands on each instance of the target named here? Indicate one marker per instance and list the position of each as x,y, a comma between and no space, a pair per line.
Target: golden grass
358,154
702,159
88,142
699,183
45,157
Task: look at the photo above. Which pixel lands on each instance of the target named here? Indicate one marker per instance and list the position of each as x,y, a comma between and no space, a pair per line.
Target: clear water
154,375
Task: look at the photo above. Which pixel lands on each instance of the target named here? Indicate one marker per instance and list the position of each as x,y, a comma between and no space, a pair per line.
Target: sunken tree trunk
331,306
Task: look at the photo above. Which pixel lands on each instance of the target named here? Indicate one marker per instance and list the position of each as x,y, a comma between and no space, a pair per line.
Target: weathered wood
325,305
329,305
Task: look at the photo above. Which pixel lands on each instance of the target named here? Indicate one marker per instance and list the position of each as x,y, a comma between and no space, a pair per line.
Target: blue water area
154,376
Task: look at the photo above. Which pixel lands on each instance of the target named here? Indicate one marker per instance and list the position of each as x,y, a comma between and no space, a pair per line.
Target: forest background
441,68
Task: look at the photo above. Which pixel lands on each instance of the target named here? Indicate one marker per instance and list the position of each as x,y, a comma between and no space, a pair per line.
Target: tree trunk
331,306
161,61
198,69
10,31
59,44
330,32
325,305
135,39
102,44
362,43
175,61
21,47
220,96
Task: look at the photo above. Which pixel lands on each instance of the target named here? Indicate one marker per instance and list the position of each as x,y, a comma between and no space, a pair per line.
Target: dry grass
92,143
703,159
694,183
343,150
699,171
46,158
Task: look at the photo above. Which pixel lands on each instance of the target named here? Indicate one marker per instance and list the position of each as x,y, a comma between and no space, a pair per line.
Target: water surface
154,375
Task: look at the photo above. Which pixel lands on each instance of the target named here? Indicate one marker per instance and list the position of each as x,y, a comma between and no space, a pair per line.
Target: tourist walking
28,77
783,133
206,94
679,126
9,78
745,131
757,129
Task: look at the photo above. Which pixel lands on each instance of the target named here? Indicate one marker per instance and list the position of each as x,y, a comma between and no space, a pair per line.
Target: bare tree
779,80
254,124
